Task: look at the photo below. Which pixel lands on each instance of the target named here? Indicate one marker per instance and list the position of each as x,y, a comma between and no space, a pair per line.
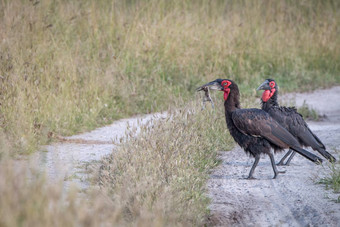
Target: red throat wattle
267,94
226,93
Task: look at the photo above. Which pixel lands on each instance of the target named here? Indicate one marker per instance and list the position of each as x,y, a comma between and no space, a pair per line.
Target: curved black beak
213,85
264,86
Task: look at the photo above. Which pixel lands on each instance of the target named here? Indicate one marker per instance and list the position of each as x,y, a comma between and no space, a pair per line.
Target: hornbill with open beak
290,119
254,129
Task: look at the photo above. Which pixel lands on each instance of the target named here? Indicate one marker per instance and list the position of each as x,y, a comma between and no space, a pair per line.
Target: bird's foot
281,164
287,163
277,173
251,178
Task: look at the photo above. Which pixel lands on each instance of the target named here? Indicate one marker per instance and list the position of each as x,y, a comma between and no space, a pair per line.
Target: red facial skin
226,84
267,94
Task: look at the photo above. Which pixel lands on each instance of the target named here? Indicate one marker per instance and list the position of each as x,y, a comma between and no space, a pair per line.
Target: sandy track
294,198
68,160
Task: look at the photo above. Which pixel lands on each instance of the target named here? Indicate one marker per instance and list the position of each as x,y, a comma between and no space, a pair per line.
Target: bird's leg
290,159
257,159
276,172
284,158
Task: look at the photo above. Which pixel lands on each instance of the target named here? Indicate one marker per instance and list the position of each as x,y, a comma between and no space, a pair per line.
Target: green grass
308,113
67,66
333,180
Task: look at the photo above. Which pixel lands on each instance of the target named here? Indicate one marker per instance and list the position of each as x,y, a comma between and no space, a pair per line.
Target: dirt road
68,159
294,198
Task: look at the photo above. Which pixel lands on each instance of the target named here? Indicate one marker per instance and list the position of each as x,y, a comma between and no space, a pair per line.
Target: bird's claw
281,164
277,173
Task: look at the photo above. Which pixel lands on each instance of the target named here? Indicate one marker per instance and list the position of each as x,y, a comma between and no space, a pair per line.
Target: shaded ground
294,198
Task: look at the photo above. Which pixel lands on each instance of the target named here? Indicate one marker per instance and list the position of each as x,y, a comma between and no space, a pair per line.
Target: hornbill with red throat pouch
290,119
254,129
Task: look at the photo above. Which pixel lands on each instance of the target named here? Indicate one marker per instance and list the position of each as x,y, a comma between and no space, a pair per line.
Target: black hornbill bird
290,119
254,129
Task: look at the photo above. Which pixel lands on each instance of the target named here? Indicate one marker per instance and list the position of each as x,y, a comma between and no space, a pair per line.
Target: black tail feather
327,155
317,139
307,155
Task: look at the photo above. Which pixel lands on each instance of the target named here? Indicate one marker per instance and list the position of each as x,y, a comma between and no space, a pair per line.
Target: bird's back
259,124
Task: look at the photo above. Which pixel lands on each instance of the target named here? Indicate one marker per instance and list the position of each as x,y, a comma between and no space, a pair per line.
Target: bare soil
294,198
68,159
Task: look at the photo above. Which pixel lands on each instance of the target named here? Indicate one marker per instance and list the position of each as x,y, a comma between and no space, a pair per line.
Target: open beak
213,85
264,86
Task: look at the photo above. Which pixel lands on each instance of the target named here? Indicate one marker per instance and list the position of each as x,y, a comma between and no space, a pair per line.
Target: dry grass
29,199
67,66
160,175
145,182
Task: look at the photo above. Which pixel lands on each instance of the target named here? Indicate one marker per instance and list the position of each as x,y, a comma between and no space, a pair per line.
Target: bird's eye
272,84
225,83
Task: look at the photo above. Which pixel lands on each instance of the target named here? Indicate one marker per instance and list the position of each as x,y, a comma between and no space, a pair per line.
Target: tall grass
159,176
28,198
146,182
35,202
68,66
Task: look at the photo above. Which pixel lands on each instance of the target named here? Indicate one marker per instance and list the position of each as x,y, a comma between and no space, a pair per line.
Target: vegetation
30,201
333,180
69,66
163,180
145,182
308,113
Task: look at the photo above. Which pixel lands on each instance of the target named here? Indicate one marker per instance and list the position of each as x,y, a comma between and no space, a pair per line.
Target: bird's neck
233,102
271,102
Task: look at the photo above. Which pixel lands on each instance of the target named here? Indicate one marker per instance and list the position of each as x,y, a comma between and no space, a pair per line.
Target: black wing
291,120
258,123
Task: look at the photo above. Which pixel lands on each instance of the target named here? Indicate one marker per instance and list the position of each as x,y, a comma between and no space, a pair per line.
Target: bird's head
225,85
269,86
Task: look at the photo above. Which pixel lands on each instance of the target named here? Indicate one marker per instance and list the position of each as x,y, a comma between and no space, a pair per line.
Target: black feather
256,131
291,120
